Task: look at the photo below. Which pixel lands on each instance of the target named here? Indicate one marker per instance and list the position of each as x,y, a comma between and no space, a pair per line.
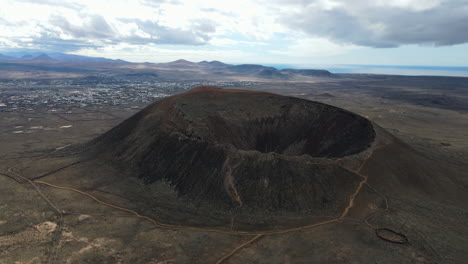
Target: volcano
265,156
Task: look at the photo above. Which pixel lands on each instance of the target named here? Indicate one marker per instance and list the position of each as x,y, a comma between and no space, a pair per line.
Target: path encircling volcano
255,152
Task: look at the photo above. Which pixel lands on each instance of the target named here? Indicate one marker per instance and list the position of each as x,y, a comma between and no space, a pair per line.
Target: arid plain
58,207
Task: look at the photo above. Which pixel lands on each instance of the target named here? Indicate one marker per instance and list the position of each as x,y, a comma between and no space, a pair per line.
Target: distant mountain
179,64
42,57
251,68
71,57
179,69
4,57
26,57
213,63
50,56
183,61
273,73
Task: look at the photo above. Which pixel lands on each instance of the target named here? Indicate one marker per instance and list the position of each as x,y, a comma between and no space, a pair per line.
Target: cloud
144,53
276,28
73,24
313,48
225,13
380,24
226,42
92,27
155,33
158,3
204,25
96,31
61,3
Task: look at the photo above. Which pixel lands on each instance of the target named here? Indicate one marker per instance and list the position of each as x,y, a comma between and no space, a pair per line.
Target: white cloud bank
229,30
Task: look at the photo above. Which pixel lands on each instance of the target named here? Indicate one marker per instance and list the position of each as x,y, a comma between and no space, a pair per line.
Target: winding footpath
255,236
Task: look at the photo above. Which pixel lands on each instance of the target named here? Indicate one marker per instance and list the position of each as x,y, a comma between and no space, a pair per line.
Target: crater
299,128
243,150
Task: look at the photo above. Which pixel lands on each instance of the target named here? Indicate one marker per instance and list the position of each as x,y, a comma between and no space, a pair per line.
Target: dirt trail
229,184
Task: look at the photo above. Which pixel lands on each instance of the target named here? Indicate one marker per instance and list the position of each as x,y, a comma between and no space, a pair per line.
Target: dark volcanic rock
246,149
259,161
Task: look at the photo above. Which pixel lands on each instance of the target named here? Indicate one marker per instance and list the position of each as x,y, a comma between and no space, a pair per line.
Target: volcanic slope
249,160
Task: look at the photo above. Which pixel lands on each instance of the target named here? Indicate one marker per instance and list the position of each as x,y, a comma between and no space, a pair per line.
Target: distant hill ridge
52,56
152,70
42,57
256,70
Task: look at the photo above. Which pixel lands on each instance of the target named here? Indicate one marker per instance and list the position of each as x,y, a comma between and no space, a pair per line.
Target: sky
294,32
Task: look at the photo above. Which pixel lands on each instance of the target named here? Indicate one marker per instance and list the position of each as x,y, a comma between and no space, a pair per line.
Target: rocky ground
71,214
